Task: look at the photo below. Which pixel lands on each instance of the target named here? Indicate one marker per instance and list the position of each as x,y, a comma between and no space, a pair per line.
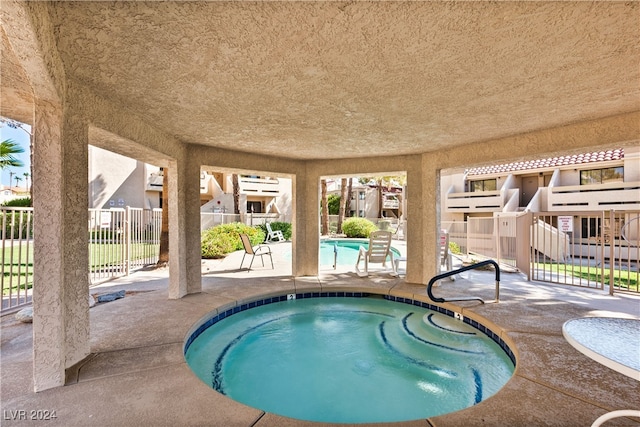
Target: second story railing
260,186
620,195
478,201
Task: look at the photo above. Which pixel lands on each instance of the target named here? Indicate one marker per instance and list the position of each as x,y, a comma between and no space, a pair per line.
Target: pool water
349,360
347,252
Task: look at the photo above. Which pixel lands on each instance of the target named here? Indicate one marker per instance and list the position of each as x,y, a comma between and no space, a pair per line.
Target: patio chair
378,252
254,251
273,235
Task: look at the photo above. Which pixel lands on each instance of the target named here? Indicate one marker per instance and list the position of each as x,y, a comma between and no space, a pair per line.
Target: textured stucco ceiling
336,79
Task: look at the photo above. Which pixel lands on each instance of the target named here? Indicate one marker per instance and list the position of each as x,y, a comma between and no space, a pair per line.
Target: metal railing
587,249
211,219
122,240
481,264
16,279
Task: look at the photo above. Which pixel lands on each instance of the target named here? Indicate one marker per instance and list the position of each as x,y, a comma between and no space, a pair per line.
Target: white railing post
612,248
127,240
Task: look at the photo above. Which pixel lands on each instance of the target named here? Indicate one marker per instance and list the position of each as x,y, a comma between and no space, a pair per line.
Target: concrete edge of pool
138,364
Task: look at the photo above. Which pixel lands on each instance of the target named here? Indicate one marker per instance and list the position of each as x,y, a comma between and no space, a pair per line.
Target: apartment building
117,181
364,199
583,205
590,181
258,194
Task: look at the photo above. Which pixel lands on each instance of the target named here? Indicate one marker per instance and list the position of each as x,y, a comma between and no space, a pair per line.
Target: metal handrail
461,270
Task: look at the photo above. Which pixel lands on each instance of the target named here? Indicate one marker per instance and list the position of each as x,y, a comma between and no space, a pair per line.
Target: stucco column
306,224
61,253
423,217
184,228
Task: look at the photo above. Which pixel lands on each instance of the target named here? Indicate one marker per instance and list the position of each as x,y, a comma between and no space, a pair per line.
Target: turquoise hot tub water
348,360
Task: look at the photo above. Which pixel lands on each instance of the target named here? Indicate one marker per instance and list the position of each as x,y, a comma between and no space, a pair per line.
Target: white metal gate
493,238
122,240
586,249
16,278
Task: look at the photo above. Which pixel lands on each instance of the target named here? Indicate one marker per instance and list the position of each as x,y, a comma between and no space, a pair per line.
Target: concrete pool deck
136,374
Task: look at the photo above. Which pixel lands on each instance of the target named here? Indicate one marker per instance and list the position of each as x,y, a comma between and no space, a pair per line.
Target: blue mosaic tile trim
488,332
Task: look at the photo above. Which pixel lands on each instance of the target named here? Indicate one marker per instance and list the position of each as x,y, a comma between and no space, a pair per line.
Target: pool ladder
462,270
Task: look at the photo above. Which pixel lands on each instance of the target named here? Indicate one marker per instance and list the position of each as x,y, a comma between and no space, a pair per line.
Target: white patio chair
273,235
378,252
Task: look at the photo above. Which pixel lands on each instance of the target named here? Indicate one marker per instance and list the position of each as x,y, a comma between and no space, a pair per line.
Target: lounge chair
378,252
254,251
273,235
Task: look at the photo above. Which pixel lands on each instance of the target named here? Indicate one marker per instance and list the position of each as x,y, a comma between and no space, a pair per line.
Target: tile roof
553,162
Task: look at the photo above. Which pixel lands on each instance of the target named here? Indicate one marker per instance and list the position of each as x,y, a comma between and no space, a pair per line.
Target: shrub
218,241
358,227
23,202
333,204
18,224
285,227
454,248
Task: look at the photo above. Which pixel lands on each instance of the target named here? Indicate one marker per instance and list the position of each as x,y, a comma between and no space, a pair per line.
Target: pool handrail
461,270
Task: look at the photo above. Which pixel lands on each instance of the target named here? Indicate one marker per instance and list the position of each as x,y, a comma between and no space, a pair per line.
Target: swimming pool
346,251
348,357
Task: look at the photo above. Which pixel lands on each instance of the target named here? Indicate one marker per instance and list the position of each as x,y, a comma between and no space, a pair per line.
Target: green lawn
18,262
622,279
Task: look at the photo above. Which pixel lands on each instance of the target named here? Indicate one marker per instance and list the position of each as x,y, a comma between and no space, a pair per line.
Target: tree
163,257
236,193
343,203
8,150
18,179
17,125
347,201
325,208
26,182
333,203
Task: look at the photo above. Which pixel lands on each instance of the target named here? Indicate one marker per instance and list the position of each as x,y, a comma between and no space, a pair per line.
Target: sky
22,138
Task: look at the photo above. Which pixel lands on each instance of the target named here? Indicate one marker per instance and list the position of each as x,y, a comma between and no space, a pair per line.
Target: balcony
475,201
154,182
259,186
618,195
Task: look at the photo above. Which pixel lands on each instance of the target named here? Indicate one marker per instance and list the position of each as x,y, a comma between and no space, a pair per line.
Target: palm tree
8,150
236,193
18,179
26,182
325,208
343,203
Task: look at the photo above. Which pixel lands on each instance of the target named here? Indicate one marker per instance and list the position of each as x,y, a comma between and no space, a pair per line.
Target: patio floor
136,374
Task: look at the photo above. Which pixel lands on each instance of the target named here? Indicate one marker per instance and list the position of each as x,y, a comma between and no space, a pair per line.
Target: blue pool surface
348,360
347,251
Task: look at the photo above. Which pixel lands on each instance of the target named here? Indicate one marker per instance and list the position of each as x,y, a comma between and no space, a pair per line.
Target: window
601,176
483,185
254,207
